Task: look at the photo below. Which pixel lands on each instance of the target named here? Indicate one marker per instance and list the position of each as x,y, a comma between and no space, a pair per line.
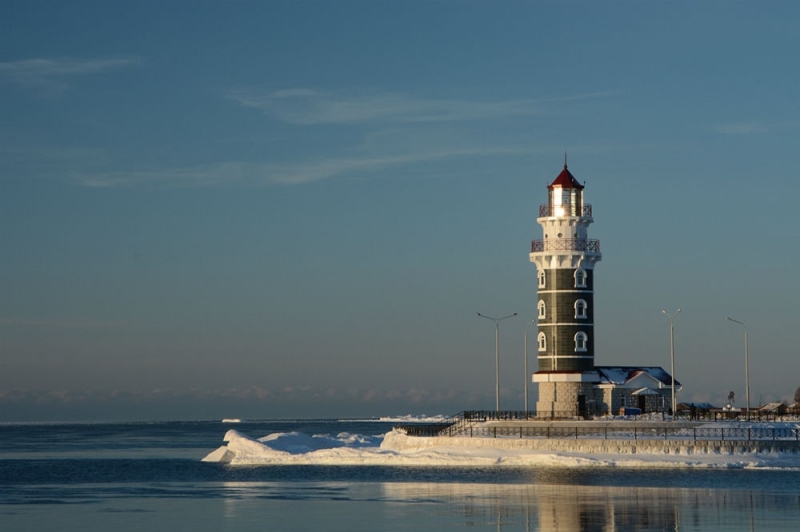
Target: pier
627,436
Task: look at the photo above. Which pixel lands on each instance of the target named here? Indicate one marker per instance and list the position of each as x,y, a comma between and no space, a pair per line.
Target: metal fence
632,432
472,424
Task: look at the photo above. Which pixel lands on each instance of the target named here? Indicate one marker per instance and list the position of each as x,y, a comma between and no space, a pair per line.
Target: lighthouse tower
565,258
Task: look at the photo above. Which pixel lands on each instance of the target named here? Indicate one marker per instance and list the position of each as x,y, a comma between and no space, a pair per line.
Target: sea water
149,476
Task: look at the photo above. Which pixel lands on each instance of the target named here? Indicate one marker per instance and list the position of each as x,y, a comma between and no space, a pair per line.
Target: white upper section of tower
565,223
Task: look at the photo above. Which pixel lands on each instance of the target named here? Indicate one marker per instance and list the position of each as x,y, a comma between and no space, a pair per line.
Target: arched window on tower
542,309
580,278
542,339
580,309
580,341
541,279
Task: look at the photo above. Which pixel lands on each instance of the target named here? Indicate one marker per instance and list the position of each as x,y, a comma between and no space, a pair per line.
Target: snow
402,419
395,448
415,419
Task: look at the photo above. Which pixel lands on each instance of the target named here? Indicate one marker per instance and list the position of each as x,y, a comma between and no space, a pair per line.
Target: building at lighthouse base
605,390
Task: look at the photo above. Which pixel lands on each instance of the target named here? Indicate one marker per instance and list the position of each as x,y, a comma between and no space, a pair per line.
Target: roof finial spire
565,158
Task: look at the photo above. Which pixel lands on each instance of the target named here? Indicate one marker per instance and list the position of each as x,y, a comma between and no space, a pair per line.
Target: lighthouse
565,258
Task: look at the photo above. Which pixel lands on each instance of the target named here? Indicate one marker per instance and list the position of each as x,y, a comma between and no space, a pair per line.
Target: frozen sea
333,475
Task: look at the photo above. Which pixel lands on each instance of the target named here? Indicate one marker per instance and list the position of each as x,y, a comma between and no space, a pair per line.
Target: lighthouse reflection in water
565,508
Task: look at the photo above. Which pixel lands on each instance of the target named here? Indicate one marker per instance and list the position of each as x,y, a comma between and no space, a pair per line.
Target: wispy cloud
369,161
60,323
262,174
752,128
397,131
741,128
309,107
55,75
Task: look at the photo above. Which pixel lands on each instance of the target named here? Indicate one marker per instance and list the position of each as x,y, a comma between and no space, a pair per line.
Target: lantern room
565,196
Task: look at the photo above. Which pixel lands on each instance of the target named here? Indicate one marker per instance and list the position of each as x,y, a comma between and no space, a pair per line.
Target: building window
580,278
542,313
580,341
580,309
542,339
541,279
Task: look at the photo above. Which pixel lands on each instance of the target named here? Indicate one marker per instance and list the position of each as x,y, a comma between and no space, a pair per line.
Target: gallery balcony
566,244
566,210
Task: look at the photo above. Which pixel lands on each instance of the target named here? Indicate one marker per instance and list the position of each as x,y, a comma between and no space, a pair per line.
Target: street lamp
496,355
672,355
746,366
526,367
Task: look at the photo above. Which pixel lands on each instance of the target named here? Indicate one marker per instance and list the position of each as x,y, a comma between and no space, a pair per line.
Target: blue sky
294,209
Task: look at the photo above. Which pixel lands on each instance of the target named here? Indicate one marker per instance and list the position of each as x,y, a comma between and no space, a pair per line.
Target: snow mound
299,443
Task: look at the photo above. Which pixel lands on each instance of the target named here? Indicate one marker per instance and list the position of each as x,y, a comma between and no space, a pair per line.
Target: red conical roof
566,180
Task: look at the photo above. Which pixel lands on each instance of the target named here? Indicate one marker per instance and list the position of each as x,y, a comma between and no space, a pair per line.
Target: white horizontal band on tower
571,290
542,324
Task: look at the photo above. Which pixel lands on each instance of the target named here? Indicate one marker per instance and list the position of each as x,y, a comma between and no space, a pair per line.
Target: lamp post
496,356
672,356
526,367
746,366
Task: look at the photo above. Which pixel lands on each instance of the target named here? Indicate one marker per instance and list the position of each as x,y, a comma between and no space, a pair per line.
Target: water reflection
554,508
435,506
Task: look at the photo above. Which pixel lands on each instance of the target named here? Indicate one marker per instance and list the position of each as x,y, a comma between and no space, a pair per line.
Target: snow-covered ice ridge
401,419
395,448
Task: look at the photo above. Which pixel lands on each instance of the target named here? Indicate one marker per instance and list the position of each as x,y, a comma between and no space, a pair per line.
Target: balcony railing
569,210
566,244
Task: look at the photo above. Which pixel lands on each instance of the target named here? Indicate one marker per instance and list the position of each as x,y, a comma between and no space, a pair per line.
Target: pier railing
631,432
488,424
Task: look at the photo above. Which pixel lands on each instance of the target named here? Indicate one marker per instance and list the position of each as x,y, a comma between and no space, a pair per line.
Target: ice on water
294,447
395,448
